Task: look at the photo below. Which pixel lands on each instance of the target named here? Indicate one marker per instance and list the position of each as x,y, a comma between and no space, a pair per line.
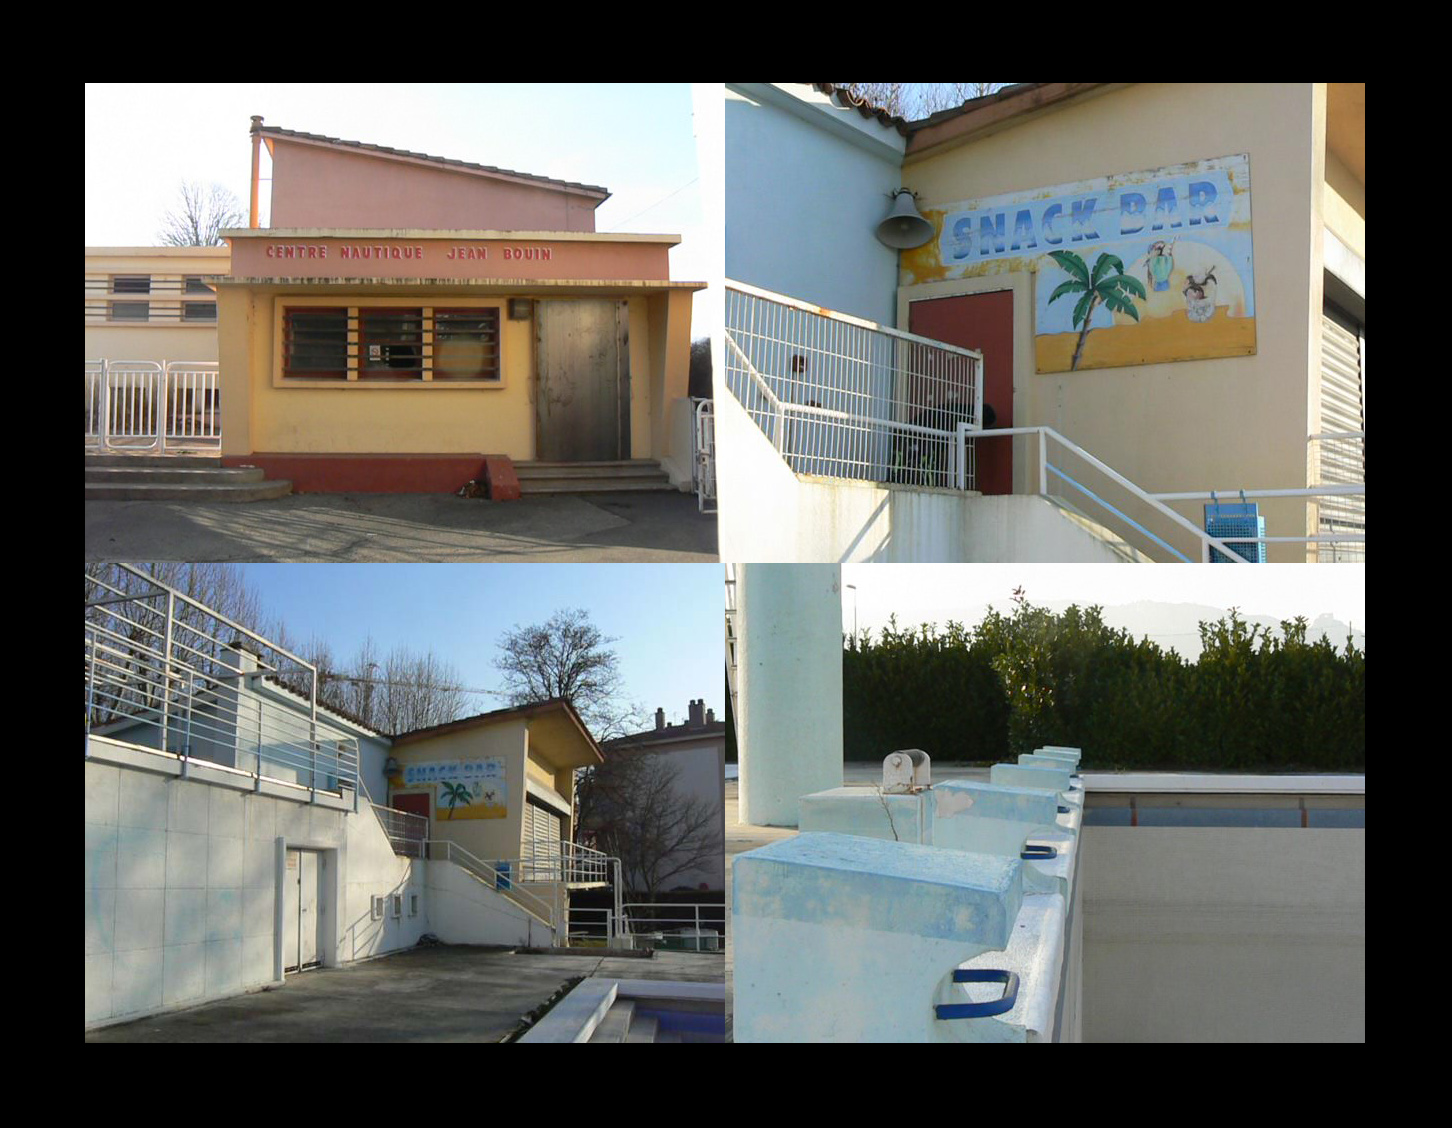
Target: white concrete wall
768,513
463,910
808,181
181,885
1234,934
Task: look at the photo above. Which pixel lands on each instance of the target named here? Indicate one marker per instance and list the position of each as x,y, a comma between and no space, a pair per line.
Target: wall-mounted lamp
904,228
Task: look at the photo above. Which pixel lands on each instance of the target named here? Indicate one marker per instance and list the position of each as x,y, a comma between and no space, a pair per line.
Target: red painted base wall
368,473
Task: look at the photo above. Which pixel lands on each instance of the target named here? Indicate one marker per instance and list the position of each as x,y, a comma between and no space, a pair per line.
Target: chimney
710,716
659,719
697,712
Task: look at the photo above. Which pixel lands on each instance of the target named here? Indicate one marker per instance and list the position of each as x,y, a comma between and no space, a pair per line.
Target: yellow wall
364,417
487,839
1220,424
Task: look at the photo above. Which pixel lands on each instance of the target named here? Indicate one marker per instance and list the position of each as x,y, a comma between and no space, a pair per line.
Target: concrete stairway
590,477
622,1024
176,478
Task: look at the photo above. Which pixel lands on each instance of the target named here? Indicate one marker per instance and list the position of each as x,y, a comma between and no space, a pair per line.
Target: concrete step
199,478
615,1026
590,477
172,475
210,492
643,1029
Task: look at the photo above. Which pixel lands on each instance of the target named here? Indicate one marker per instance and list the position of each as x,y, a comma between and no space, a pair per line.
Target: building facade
1218,345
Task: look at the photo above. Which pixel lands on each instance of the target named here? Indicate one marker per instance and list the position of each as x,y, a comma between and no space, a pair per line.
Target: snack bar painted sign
1140,268
465,789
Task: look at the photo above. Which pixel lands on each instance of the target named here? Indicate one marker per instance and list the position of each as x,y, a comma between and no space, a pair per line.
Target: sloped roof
272,131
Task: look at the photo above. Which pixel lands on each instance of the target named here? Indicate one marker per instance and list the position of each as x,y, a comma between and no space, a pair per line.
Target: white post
790,724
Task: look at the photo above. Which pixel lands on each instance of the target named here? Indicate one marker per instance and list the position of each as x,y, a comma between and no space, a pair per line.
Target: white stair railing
501,880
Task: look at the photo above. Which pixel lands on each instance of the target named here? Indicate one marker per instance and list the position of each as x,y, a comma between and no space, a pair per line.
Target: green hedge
1255,700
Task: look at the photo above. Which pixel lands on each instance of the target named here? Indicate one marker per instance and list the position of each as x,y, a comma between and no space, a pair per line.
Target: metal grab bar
1001,1005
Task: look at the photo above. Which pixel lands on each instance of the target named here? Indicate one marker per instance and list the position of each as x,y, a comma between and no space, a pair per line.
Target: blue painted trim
1122,516
981,1010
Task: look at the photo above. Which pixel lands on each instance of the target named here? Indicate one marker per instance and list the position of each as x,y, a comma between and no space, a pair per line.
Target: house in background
693,754
1215,342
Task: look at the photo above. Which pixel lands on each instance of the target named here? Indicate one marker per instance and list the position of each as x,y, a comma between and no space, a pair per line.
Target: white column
790,725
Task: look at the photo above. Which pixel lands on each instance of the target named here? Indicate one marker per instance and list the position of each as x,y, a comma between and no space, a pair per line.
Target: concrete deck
444,994
426,528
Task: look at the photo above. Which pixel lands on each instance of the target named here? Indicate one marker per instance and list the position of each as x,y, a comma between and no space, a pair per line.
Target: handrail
1044,434
491,876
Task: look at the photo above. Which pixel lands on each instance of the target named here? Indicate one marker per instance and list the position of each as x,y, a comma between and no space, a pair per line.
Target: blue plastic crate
1228,521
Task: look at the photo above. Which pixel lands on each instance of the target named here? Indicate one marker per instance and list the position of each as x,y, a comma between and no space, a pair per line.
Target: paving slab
454,993
421,528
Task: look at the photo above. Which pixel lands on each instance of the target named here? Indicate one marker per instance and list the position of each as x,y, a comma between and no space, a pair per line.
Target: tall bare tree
568,657
633,808
201,213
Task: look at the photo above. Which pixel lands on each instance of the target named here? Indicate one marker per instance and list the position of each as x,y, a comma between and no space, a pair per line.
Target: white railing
168,673
1094,491
142,405
704,461
848,398
406,831
497,875
645,917
567,862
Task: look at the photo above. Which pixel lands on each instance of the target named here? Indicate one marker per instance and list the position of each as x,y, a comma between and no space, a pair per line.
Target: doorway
303,910
983,322
582,394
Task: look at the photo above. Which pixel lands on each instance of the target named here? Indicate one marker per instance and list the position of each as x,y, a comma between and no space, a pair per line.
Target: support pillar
790,724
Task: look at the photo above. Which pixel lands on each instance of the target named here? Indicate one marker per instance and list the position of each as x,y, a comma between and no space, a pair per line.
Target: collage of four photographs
608,562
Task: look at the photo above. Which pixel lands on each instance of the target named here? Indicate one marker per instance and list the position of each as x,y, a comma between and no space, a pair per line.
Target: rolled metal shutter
1343,410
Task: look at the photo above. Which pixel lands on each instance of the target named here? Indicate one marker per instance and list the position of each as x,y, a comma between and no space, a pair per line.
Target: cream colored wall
669,367
1343,205
362,416
159,343
1214,424
487,839
132,340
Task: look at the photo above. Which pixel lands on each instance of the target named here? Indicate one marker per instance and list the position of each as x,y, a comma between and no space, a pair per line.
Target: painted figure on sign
1159,263
1200,295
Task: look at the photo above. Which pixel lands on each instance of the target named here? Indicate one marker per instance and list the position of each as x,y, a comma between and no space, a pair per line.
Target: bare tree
917,100
199,216
568,658
632,808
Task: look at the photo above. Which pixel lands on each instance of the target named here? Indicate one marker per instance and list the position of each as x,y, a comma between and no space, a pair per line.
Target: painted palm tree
1107,283
457,793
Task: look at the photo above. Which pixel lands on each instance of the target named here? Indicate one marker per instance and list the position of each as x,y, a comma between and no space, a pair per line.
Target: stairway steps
643,1029
590,477
615,1026
180,478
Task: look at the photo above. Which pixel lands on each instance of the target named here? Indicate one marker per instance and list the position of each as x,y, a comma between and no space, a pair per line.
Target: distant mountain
1175,626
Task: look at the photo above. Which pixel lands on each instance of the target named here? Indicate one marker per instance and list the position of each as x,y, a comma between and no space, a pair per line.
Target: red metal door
415,804
983,322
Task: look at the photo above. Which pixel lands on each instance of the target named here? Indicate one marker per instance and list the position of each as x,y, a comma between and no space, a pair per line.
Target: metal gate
582,396
704,460
145,405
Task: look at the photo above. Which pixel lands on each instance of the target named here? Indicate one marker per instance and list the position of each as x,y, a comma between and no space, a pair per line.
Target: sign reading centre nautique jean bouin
466,789
1139,268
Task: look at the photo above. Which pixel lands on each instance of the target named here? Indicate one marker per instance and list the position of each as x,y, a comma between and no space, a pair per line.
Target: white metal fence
407,833
848,398
168,673
704,460
143,405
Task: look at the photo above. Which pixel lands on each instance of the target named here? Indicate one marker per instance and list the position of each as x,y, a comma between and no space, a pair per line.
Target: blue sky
667,618
144,139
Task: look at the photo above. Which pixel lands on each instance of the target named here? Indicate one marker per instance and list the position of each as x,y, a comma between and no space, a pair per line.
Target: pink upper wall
319,187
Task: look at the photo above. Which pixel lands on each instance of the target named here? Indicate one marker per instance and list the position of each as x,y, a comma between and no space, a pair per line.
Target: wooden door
983,322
